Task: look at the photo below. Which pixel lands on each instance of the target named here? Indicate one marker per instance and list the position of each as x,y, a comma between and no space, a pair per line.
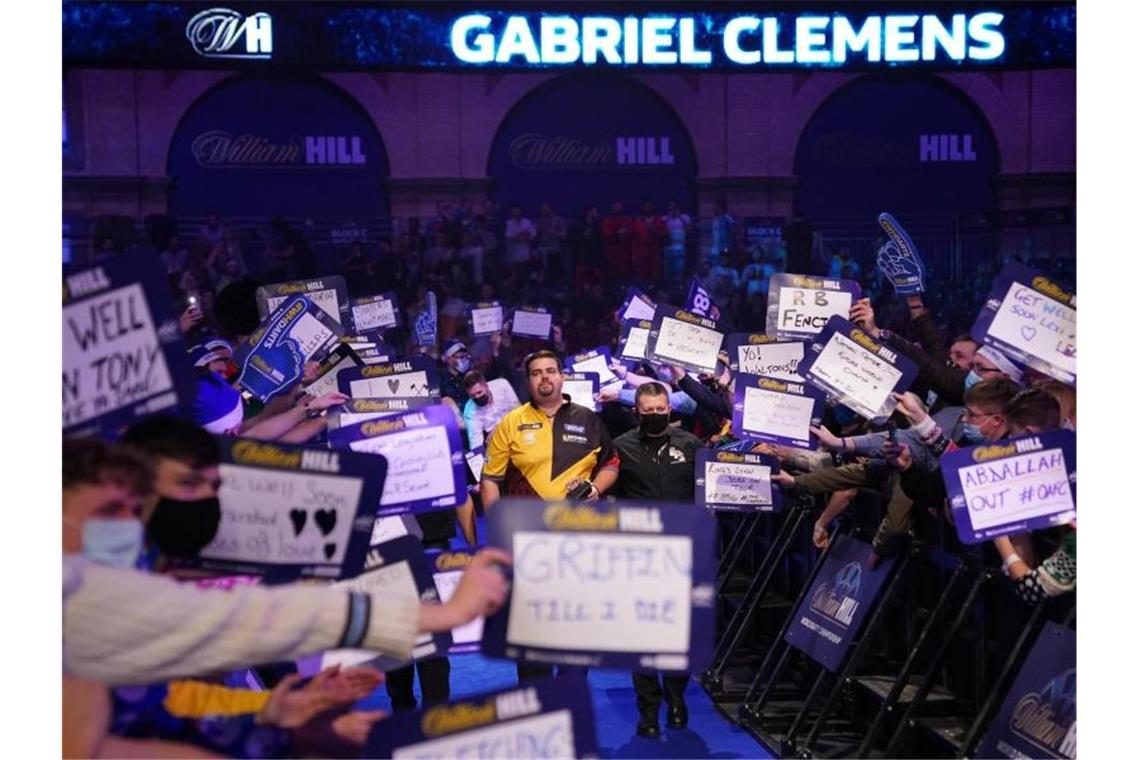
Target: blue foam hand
898,259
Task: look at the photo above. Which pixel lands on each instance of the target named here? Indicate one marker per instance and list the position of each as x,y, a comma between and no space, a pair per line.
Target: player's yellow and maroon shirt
530,454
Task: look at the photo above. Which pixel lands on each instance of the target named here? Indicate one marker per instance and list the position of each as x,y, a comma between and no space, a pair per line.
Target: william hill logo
570,517
225,33
838,600
1048,718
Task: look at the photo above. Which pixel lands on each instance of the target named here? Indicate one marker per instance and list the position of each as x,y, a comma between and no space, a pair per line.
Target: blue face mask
972,379
972,433
114,543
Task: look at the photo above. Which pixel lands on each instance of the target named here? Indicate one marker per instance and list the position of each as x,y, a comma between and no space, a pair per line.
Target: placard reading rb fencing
685,339
848,364
774,411
616,584
553,718
761,354
273,358
731,480
289,511
1032,320
1012,486
329,293
799,306
405,378
123,356
424,454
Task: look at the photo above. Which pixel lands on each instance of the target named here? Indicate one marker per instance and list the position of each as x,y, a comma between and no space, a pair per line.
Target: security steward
547,449
658,463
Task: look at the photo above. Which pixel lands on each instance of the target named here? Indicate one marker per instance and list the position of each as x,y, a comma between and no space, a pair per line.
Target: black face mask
654,424
481,400
184,528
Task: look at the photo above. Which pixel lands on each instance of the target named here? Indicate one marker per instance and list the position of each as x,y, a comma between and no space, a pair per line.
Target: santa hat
1002,362
217,407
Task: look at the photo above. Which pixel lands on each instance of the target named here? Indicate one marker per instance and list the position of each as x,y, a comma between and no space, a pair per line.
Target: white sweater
127,627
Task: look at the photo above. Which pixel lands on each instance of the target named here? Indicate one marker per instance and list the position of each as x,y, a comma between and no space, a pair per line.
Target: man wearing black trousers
658,463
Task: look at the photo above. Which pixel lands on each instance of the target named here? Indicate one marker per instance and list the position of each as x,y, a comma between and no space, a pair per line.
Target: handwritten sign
1032,320
486,318
123,356
363,409
1012,486
476,458
290,511
799,306
775,411
846,363
634,340
328,293
425,458
761,354
637,306
843,592
325,382
406,378
447,568
597,361
535,323
735,481
581,387
685,339
618,584
273,358
553,718
378,312
1039,715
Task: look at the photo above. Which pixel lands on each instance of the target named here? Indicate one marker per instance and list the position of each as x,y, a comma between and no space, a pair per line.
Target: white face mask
114,543
462,365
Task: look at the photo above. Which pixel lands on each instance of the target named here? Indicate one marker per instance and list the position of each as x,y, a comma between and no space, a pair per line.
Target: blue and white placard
447,568
637,306
634,340
597,361
273,358
685,339
774,411
581,387
378,312
415,376
760,354
799,306
363,409
486,318
735,481
532,322
329,293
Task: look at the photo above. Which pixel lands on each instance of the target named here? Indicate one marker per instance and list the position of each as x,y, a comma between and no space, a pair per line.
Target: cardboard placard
596,361
1032,320
637,306
290,511
424,455
799,306
634,340
760,354
1012,486
773,411
852,367
739,482
342,357
447,568
378,312
476,458
534,323
363,409
685,339
123,355
404,378
486,318
607,584
329,293
581,387
273,358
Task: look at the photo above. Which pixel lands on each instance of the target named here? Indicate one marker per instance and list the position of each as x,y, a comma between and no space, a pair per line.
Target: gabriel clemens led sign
665,40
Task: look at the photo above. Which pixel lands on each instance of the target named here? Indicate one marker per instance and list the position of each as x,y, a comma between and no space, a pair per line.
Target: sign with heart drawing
413,377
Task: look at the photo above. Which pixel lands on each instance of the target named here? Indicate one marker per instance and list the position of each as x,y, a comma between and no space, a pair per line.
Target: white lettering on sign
733,484
283,517
781,414
772,359
469,633
215,32
1038,325
859,378
1019,488
403,384
550,735
687,344
593,592
806,311
531,323
375,315
487,321
326,299
419,465
635,343
112,357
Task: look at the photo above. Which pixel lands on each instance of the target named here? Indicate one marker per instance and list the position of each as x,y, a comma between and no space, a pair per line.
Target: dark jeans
649,691
435,683
530,672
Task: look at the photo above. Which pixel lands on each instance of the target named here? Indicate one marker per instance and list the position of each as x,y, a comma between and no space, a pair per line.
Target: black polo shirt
657,469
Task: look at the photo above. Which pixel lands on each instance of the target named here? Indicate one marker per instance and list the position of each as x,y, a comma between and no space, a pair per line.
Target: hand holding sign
481,591
898,259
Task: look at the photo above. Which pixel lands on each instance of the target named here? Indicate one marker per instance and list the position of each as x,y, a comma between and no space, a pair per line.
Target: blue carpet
615,710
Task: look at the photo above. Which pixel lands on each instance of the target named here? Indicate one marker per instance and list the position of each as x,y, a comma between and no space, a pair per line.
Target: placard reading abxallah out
123,355
426,468
774,411
736,481
290,511
330,293
615,585
553,718
1033,320
831,614
273,358
685,339
799,306
1012,486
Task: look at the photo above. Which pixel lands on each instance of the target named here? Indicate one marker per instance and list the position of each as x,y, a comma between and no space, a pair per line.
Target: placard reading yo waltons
760,354
553,718
1012,486
685,339
799,306
289,511
832,612
774,411
123,356
851,366
406,378
424,454
1039,715
615,585
329,293
273,358
1032,320
731,480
